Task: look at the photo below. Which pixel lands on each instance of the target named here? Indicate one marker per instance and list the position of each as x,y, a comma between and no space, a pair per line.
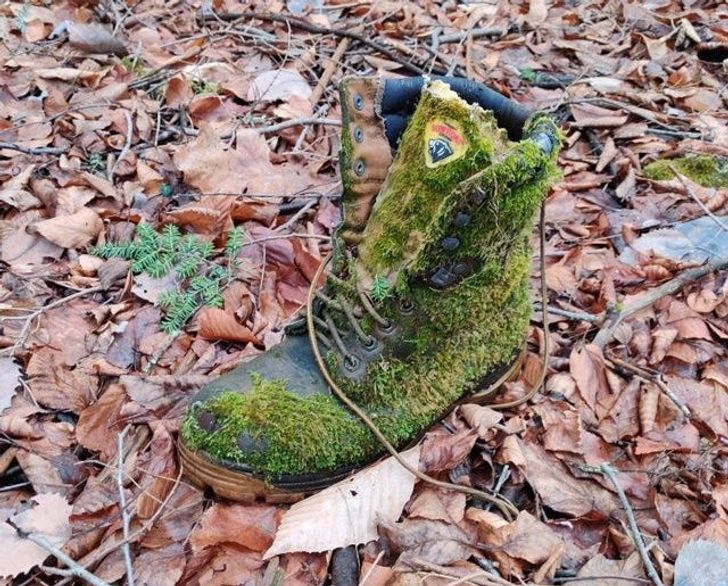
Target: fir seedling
201,280
380,289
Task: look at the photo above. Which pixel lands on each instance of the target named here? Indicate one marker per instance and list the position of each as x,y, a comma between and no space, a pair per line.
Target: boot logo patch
444,143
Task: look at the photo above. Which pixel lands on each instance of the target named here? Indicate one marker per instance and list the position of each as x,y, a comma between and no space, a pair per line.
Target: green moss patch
707,170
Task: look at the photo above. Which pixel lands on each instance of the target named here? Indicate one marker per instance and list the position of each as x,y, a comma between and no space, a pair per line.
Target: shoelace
504,505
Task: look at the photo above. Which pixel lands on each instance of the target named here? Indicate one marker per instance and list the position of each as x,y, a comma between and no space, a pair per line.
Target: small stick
73,567
122,505
609,472
703,207
604,335
331,65
575,315
653,378
32,150
476,33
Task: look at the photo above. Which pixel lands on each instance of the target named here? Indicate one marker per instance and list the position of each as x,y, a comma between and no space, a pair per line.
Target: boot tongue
446,141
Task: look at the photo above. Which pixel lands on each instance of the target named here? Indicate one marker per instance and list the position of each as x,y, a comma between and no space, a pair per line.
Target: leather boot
426,303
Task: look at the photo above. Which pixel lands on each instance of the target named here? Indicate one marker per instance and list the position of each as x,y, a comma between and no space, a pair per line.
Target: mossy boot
427,302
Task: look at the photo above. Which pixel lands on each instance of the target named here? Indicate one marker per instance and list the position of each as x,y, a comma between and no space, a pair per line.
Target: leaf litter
113,118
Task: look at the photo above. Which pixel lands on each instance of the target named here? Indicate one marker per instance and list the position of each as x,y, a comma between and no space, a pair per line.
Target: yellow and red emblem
444,143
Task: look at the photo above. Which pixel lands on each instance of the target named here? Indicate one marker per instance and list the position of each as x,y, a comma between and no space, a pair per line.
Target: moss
451,339
707,170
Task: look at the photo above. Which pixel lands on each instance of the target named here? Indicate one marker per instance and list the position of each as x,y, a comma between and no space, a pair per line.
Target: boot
426,304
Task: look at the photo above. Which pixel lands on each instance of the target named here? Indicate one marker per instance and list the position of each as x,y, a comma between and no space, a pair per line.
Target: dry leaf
281,84
13,191
479,417
537,12
586,365
353,508
72,231
250,526
218,324
48,518
94,38
10,376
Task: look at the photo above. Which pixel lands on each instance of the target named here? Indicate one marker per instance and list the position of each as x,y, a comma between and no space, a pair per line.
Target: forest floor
215,115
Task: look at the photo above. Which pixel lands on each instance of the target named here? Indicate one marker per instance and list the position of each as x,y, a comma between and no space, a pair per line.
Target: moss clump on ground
707,170
448,342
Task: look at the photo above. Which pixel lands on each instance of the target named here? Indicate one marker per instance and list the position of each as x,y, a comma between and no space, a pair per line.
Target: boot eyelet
406,307
358,102
369,345
359,167
387,328
358,134
351,362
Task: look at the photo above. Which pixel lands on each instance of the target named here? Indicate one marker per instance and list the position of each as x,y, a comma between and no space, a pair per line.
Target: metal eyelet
359,167
387,328
351,362
370,345
358,134
449,243
358,102
406,307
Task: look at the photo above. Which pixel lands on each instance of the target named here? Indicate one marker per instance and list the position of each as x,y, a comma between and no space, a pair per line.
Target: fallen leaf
434,541
72,231
586,365
94,38
250,526
218,324
47,519
10,377
281,84
353,508
444,451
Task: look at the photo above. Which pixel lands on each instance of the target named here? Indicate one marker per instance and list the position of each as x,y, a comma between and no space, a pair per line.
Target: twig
502,478
295,217
375,563
160,353
575,579
703,207
296,122
122,505
331,65
309,27
476,33
648,376
73,567
604,335
575,315
32,150
127,143
634,530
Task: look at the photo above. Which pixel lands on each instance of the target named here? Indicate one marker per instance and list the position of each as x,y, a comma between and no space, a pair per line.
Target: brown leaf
601,568
94,38
175,525
648,407
218,324
444,451
160,567
160,470
100,421
251,526
223,565
662,340
13,191
559,489
72,231
279,84
586,365
57,386
48,518
479,417
438,505
434,541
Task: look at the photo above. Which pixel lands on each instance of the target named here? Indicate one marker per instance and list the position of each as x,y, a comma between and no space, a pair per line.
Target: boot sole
235,482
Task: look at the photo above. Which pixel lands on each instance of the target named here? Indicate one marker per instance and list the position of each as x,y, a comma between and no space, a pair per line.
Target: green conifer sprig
201,280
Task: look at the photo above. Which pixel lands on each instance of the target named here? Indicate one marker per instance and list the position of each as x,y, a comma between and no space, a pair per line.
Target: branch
32,150
634,530
604,336
122,506
73,567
